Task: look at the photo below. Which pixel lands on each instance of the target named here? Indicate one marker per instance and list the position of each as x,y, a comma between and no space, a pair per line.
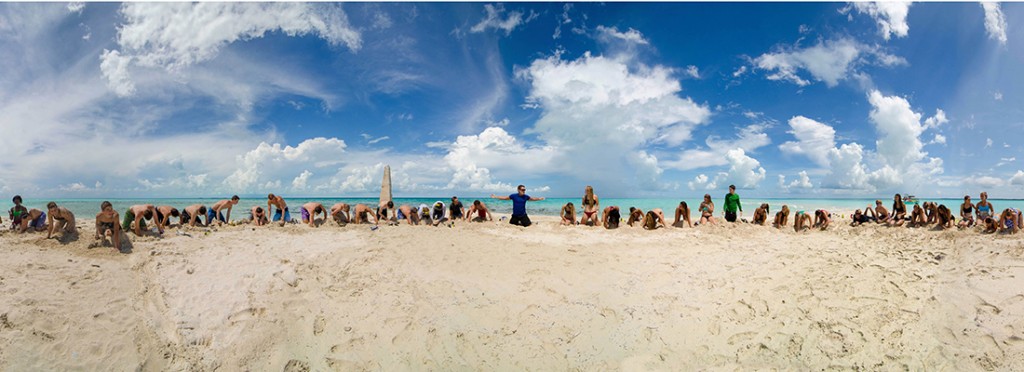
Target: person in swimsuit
164,214
280,208
984,208
135,218
382,213
611,217
707,210
363,213
455,209
17,213
215,212
918,217
481,211
881,214
339,212
1010,220
310,211
931,212
259,216
801,221
822,219
654,219
568,214
34,220
635,215
407,213
761,214
682,214
192,214
590,207
944,217
60,219
106,223
966,213
782,217
899,211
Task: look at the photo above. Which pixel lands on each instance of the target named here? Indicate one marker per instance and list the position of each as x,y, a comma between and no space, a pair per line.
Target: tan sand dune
497,297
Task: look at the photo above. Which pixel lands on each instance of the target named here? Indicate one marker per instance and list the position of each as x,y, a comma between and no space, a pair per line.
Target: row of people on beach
110,223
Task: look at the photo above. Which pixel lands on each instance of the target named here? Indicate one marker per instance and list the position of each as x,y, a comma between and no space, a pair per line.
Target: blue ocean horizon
88,207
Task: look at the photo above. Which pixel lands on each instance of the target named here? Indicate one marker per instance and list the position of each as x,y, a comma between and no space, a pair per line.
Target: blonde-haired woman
591,205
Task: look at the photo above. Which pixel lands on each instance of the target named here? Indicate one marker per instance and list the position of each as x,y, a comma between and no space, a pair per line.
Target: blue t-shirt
519,204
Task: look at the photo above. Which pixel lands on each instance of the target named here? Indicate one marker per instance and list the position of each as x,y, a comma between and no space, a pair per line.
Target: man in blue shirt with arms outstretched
518,206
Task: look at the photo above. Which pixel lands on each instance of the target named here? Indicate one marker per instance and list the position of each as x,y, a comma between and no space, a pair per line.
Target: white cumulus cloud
995,23
494,20
891,16
829,61
814,140
749,139
1017,179
608,34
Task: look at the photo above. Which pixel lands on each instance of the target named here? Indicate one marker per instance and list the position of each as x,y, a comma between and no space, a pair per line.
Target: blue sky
638,100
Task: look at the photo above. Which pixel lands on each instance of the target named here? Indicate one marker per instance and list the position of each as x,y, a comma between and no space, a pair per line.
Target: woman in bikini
984,208
966,213
782,218
568,214
761,214
917,216
682,214
899,211
654,219
591,205
707,210
60,219
801,222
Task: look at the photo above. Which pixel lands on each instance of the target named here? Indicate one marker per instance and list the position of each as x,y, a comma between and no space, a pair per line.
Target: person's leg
526,221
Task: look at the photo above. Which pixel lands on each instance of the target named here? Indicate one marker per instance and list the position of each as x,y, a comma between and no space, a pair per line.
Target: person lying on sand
59,219
966,213
363,213
860,218
944,217
259,216
135,217
822,219
481,211
1010,220
611,217
591,205
568,214
107,223
636,215
310,211
216,212
277,204
654,219
707,210
339,213
917,216
164,214
761,214
682,214
782,217
801,222
192,213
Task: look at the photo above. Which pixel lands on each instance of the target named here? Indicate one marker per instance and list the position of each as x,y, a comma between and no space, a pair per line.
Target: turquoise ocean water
87,208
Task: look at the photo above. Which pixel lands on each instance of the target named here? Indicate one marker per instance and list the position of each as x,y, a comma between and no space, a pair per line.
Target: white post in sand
385,186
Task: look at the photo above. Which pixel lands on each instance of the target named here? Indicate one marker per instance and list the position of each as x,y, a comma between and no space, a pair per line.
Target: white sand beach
497,297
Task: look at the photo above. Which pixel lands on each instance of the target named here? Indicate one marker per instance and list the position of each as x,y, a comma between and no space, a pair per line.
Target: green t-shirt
732,203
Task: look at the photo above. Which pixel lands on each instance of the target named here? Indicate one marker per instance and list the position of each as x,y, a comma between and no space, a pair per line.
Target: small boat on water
910,199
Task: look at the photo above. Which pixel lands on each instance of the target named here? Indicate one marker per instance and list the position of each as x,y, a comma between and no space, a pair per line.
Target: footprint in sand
318,325
296,366
610,314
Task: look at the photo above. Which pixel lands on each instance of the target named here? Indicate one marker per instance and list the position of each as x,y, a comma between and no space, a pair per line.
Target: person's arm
49,222
537,199
604,219
739,204
229,212
159,226
499,197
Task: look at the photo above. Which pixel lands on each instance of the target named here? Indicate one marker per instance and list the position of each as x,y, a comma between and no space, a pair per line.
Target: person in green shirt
732,203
